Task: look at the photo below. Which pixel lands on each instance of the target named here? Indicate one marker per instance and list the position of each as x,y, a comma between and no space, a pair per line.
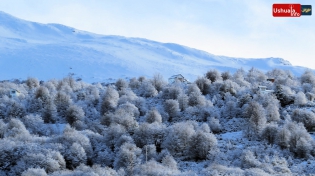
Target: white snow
49,51
232,135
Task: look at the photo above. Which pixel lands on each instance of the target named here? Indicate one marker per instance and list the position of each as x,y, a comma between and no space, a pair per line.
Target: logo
306,10
291,10
286,10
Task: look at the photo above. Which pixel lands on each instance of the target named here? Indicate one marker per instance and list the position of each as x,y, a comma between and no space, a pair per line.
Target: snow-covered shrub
16,110
62,102
269,133
300,139
154,168
153,116
128,158
310,96
70,82
113,133
158,82
228,86
75,156
109,100
203,84
249,160
102,154
124,115
308,77
147,89
178,137
121,84
197,113
172,108
304,116
42,93
172,92
193,88
128,108
213,75
141,104
300,99
3,127
272,113
126,95
49,112
284,95
69,137
201,144
49,160
244,99
254,75
217,169
239,76
148,134
196,99
182,101
257,119
283,137
32,82
214,124
149,152
134,83
229,110
16,129
51,86
226,75
74,113
123,139
34,124
34,172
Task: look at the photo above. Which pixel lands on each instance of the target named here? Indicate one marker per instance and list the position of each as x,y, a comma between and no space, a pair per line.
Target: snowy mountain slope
49,51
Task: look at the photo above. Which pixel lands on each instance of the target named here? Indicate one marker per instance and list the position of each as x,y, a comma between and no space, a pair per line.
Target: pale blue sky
237,28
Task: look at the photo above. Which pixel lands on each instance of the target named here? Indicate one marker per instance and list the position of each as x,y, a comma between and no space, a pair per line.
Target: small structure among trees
14,93
264,90
271,80
178,78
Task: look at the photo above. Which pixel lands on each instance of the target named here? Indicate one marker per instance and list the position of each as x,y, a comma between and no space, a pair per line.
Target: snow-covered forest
220,124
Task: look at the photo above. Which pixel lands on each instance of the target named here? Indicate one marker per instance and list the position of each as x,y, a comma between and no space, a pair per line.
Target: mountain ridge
54,50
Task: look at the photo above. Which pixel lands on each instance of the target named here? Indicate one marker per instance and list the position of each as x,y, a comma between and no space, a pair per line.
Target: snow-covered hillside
49,51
